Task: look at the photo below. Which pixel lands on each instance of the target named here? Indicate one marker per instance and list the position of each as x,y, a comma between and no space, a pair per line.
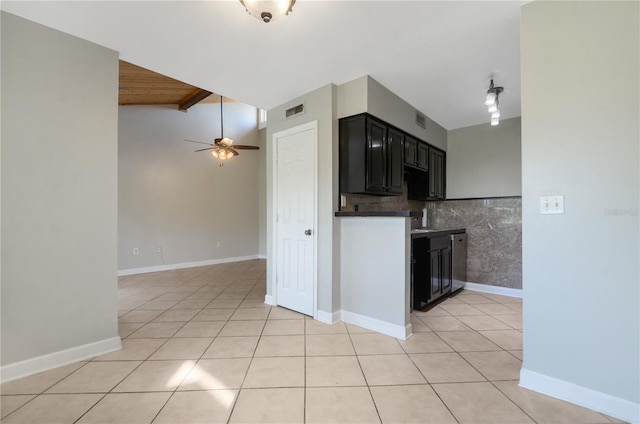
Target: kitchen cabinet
430,269
371,159
416,153
423,156
436,174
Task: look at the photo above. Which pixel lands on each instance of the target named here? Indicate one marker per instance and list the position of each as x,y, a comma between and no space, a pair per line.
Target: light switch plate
552,204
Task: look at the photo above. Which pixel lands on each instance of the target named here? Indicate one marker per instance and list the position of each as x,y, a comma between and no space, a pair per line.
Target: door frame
312,125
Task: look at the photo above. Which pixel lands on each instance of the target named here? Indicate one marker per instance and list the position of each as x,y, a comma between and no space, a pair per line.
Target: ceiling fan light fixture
226,141
268,10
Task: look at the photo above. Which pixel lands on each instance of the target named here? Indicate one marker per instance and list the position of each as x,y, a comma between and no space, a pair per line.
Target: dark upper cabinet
370,157
423,156
395,170
376,157
410,151
416,153
436,174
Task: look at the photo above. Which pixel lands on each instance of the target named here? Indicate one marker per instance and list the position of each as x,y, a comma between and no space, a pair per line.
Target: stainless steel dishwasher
458,261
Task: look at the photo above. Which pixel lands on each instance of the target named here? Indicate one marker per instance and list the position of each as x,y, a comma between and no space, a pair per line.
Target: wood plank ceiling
140,86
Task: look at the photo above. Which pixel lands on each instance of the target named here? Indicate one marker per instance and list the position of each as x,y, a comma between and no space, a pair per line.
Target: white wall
59,194
580,132
484,161
319,106
171,197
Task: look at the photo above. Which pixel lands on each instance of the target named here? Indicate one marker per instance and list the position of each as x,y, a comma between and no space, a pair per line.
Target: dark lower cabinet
430,269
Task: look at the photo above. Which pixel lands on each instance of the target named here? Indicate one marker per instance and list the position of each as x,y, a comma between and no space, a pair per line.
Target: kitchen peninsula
375,270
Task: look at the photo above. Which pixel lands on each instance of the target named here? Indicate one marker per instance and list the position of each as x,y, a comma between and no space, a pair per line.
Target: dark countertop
437,232
402,214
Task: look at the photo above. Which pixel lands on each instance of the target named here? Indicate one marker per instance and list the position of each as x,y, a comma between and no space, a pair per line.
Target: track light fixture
492,101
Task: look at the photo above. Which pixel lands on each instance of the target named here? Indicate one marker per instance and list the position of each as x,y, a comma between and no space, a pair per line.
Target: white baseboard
170,267
268,299
610,405
397,331
57,359
328,317
485,288
262,256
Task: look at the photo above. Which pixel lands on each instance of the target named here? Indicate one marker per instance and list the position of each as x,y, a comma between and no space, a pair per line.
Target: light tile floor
200,346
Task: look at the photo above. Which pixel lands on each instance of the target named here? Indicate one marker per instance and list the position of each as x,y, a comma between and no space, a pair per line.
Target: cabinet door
436,174
420,272
440,175
434,273
410,151
376,157
445,269
423,156
394,161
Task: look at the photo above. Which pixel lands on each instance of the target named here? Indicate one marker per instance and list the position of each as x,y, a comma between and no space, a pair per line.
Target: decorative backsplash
494,229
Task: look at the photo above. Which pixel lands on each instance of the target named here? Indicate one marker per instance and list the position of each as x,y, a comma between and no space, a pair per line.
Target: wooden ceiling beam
195,98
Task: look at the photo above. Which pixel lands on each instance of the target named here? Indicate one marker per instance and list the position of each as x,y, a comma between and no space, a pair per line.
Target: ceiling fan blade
232,150
240,146
208,148
199,142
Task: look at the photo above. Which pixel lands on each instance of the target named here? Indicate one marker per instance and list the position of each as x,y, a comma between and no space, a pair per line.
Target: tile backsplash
494,229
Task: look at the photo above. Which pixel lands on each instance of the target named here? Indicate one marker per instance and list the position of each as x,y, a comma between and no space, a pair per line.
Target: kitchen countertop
436,232
405,214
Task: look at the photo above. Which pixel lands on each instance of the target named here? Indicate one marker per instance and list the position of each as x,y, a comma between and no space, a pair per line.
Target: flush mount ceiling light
221,147
492,101
268,10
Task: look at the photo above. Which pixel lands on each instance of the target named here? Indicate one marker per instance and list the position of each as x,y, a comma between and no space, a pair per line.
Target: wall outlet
218,244
136,251
159,249
552,204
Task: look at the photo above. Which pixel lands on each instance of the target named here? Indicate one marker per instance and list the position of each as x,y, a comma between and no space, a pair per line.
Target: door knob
307,232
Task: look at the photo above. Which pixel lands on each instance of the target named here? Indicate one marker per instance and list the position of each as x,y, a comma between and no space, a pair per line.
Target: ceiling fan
222,147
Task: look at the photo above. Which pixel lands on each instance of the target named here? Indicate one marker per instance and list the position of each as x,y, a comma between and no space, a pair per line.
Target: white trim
262,256
485,288
57,359
269,300
621,409
397,331
157,268
328,317
312,125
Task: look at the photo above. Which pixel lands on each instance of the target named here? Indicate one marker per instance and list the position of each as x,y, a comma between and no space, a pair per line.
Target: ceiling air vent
295,111
421,120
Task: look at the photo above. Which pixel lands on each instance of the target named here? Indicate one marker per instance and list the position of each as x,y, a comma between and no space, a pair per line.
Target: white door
295,218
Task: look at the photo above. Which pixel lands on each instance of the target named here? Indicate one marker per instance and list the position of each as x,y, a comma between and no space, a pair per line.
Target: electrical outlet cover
552,205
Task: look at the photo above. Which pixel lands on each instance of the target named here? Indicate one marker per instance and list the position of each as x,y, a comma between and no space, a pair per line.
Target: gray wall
59,191
580,135
320,106
184,202
365,94
262,194
484,161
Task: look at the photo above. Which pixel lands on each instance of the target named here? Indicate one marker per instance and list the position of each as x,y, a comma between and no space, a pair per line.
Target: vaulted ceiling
437,55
